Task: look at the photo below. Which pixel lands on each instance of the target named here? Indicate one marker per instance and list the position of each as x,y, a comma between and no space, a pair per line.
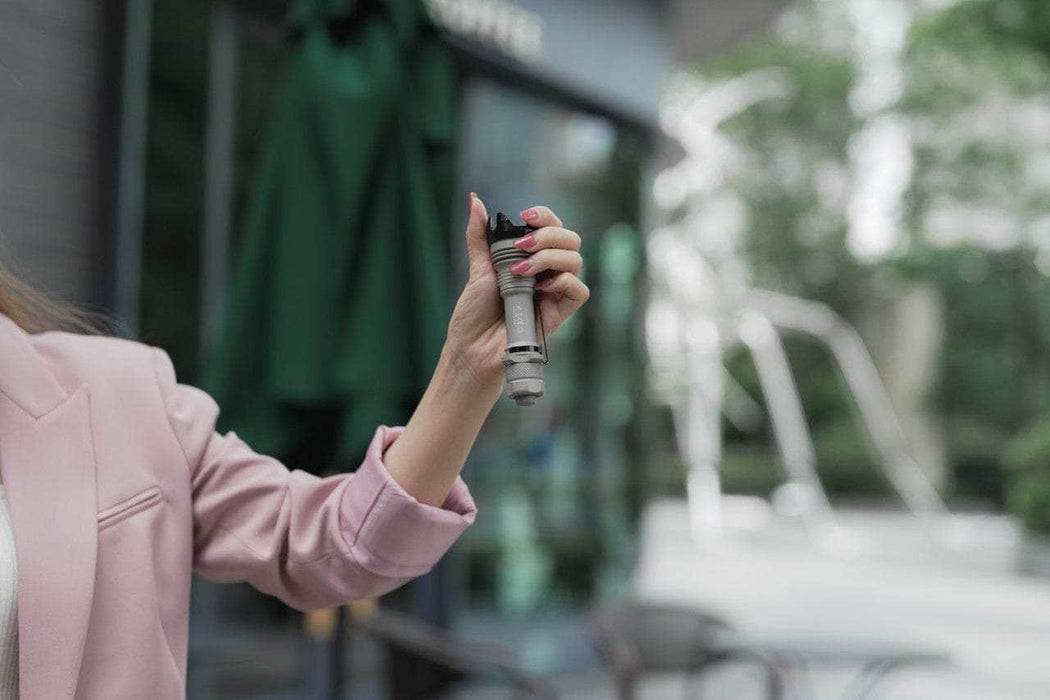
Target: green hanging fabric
339,297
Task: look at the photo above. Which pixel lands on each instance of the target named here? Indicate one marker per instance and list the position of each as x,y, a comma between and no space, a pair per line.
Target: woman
118,487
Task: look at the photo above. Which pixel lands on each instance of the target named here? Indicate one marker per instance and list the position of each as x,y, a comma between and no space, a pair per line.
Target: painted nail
520,268
525,242
529,214
544,283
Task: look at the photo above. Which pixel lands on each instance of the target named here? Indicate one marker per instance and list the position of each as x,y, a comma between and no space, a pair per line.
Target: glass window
557,479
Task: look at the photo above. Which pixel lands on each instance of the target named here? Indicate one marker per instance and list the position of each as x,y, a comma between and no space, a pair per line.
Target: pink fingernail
519,268
529,214
470,204
542,284
525,242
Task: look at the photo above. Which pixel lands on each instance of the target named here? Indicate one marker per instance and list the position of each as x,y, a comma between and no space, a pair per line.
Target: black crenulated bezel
504,229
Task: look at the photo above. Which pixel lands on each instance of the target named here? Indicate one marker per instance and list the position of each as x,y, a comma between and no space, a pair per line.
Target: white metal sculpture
701,306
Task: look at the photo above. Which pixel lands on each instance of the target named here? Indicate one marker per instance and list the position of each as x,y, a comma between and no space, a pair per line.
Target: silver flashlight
524,358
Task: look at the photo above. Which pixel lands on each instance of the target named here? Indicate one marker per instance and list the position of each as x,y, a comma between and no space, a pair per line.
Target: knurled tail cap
505,229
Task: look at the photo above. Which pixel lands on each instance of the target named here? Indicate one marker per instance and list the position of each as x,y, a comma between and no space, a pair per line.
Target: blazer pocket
143,500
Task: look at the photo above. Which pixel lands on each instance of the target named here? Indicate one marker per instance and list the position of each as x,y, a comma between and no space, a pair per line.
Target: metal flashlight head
524,358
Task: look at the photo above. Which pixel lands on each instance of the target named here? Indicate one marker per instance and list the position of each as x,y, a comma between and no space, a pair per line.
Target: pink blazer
119,487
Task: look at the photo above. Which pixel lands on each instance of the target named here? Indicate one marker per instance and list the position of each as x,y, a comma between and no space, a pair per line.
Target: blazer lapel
47,461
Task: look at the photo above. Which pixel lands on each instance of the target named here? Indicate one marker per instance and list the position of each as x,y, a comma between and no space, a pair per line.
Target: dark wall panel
51,143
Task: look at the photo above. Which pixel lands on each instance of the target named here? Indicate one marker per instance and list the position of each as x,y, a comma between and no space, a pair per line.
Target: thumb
477,236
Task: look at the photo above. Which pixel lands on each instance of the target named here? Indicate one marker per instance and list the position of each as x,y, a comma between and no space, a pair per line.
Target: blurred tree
792,186
969,85
1028,460
979,78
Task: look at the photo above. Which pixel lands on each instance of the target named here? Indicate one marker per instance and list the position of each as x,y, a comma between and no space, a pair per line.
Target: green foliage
750,469
843,452
969,70
993,26
994,374
1027,457
845,458
955,56
816,108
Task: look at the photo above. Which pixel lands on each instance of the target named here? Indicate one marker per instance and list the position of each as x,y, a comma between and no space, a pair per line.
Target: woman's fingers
567,285
555,259
549,237
476,232
563,295
540,216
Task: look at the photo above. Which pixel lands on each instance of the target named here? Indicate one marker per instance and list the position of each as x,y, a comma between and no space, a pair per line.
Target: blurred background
797,444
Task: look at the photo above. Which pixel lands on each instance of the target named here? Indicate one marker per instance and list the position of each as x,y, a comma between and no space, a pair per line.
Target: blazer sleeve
309,541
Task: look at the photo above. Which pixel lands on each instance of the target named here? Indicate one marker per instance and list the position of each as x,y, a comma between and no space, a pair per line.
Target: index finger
540,216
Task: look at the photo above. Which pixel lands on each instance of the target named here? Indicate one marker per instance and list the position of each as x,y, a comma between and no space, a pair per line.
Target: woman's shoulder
76,359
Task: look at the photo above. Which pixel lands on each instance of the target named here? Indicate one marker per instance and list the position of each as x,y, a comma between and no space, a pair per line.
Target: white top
8,606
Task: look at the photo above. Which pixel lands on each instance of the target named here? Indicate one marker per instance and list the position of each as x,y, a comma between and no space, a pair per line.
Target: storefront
550,117
558,106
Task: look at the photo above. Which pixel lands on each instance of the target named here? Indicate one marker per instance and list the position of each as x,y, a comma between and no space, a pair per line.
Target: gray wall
51,144
702,29
613,52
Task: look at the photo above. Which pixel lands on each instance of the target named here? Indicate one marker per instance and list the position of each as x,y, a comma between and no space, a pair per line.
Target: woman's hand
477,336
429,455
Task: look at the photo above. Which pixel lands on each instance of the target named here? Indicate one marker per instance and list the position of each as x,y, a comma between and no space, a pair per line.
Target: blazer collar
24,376
47,459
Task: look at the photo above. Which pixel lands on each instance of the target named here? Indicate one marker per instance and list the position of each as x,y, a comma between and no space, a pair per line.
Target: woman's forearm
428,456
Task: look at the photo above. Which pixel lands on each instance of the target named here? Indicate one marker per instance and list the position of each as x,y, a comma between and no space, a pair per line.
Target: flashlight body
524,358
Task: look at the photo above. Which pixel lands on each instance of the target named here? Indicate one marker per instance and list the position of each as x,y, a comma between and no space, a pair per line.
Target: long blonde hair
34,312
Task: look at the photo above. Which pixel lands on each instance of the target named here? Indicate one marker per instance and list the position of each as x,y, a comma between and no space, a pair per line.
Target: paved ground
881,581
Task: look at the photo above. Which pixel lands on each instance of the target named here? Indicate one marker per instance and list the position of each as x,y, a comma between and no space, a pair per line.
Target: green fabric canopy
339,297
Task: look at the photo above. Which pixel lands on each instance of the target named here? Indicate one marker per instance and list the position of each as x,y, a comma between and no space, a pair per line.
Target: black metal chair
446,659
639,638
